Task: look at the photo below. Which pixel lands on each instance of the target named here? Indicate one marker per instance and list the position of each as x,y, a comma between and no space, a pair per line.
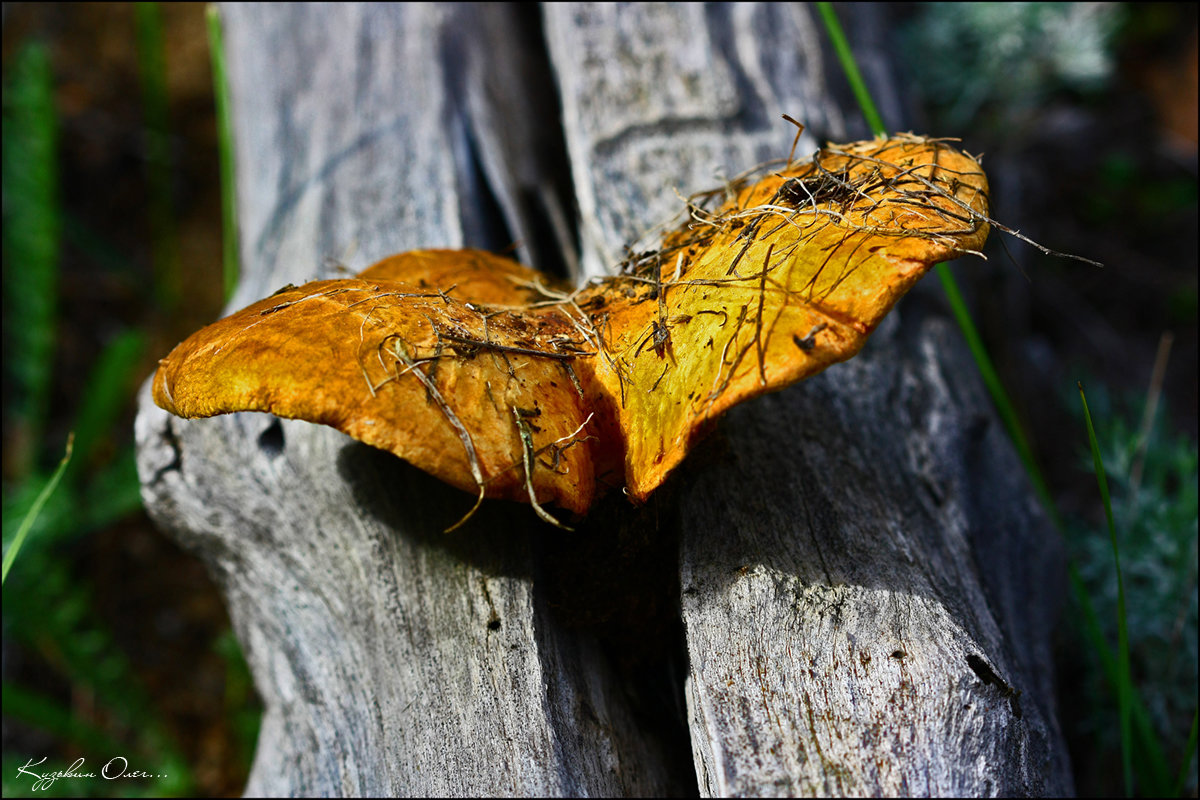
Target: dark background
1088,125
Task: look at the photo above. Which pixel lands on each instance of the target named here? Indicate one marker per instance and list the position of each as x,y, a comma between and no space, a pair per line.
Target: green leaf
107,391
850,67
152,68
31,247
1124,680
27,523
229,229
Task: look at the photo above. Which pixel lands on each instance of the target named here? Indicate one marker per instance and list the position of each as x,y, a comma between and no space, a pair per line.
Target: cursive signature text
114,768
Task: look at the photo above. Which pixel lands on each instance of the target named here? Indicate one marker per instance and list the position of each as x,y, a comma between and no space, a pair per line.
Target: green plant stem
846,56
229,229
1124,680
995,387
31,242
153,72
1155,762
1004,405
36,509
1116,670
107,391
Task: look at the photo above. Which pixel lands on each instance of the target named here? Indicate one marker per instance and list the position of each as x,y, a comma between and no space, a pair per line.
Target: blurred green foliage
997,63
996,70
1153,480
230,261
46,607
1123,192
50,614
153,71
1003,60
30,244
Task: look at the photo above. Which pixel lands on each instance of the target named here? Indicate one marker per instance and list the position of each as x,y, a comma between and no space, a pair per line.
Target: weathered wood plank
392,659
859,552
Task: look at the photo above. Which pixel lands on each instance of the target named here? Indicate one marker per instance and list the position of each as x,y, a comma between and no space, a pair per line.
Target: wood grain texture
857,554
391,659
832,587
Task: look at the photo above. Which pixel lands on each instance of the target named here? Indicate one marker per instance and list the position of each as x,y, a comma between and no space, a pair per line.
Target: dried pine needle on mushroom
501,381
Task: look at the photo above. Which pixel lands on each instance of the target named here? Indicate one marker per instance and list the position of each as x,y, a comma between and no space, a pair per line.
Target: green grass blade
107,391
229,229
842,47
1117,670
152,68
1004,405
999,396
111,494
31,241
1188,752
36,509
1154,761
995,388
1124,680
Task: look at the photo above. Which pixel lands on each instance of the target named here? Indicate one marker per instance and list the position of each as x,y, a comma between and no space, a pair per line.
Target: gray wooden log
863,584
841,625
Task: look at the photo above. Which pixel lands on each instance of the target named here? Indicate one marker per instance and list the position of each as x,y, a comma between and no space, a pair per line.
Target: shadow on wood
848,590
